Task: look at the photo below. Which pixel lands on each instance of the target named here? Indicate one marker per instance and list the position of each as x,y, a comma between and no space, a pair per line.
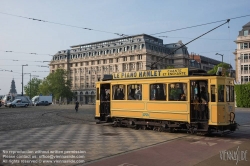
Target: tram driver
204,100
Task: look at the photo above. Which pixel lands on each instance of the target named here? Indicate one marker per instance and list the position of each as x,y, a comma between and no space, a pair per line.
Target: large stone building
242,55
206,63
89,62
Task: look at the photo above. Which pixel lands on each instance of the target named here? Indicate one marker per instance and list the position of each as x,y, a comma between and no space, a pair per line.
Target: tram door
104,102
199,100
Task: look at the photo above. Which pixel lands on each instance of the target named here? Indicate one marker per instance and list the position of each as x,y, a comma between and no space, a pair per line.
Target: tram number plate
145,114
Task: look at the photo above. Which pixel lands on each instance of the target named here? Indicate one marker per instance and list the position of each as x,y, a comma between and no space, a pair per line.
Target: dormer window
245,33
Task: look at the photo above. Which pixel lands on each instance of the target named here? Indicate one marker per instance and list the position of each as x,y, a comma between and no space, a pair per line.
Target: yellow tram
171,99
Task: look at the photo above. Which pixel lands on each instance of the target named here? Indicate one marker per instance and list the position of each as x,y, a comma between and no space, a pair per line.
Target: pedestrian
76,106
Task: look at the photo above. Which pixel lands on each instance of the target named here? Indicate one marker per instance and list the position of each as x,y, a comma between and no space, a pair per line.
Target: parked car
45,103
17,103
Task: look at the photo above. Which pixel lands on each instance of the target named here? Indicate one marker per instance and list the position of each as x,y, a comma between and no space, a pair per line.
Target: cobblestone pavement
60,128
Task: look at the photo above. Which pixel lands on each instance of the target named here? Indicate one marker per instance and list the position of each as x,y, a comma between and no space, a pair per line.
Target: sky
24,36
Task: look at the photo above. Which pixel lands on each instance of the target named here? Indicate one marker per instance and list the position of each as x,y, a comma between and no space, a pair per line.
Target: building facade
242,55
87,63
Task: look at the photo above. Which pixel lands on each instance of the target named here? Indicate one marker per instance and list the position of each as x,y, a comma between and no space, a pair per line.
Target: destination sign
152,73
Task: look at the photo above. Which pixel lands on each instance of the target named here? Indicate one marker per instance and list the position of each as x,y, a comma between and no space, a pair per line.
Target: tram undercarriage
199,127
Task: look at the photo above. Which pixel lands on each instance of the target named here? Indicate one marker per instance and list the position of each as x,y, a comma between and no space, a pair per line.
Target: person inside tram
204,101
196,113
102,93
138,93
183,97
203,93
153,93
108,97
119,94
131,96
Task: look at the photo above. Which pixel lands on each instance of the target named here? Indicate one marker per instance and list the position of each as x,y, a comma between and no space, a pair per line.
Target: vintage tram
172,99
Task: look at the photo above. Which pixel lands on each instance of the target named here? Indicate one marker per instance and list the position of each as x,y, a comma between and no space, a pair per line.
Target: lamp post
22,77
220,55
30,81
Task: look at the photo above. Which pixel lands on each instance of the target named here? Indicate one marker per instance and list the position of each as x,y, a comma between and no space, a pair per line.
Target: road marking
204,143
237,142
126,164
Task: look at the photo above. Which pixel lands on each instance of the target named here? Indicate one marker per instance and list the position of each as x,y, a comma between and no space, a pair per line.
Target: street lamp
22,77
30,81
220,55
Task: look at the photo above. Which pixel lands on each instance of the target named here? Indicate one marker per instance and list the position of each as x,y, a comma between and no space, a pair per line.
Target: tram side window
213,96
221,93
135,92
158,92
177,92
118,92
231,93
228,93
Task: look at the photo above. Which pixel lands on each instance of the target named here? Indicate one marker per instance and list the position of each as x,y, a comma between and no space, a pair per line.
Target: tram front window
221,93
231,93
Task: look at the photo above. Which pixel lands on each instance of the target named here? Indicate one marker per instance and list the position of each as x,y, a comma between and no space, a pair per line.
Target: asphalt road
44,116
60,127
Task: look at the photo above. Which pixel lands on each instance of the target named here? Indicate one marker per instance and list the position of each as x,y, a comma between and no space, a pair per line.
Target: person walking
76,106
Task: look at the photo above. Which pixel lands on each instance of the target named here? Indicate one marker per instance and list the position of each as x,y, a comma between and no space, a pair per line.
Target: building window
117,60
139,57
124,58
119,92
134,92
104,61
157,92
245,33
110,60
141,65
92,62
245,45
132,58
87,63
177,92
171,61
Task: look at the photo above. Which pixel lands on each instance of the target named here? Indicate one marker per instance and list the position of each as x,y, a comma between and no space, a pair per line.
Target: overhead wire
15,60
119,34
200,25
191,38
25,52
73,26
152,65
